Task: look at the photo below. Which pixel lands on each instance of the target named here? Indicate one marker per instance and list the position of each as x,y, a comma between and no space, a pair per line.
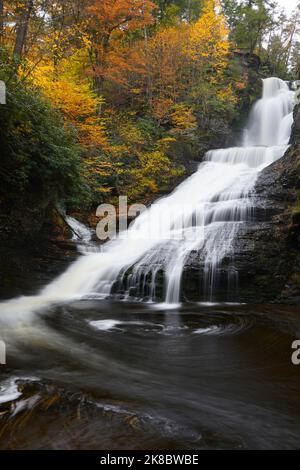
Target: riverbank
27,268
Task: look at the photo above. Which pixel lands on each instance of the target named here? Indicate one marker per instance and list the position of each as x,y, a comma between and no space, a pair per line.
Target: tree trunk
98,84
149,79
22,30
100,62
189,13
1,21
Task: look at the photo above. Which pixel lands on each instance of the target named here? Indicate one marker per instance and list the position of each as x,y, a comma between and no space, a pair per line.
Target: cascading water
203,214
80,231
82,235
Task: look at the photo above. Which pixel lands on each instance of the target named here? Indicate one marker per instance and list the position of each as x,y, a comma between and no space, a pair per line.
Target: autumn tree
1,21
141,84
14,25
22,28
208,45
181,58
107,19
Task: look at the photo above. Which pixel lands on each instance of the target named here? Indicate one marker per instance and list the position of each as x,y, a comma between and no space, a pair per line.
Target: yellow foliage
227,96
131,134
155,171
164,144
183,119
76,100
209,44
178,60
160,83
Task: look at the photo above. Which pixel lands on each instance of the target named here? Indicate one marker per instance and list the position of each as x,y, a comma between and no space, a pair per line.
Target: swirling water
115,375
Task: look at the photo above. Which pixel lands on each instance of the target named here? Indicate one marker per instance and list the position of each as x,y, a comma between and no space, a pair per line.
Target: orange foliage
173,62
109,20
124,15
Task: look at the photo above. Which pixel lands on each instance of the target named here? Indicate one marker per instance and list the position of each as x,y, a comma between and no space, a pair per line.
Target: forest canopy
111,97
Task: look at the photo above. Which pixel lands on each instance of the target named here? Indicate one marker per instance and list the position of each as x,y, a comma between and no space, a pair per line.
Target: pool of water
96,374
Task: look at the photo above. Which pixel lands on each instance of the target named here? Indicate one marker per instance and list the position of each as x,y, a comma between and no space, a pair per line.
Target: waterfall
270,115
80,231
83,236
203,216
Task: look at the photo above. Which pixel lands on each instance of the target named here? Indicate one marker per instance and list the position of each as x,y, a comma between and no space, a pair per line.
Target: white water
80,231
204,214
83,236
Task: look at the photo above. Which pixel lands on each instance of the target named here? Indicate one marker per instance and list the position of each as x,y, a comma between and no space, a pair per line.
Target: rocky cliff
266,261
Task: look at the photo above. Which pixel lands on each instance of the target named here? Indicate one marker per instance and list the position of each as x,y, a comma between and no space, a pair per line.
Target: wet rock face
266,261
295,137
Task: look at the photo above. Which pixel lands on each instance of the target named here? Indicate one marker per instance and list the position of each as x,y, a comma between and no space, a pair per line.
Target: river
118,375
88,369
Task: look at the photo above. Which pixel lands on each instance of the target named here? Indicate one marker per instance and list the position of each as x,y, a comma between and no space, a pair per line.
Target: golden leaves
209,42
183,119
76,100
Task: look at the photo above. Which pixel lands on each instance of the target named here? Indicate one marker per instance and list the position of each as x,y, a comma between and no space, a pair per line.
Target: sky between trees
289,5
